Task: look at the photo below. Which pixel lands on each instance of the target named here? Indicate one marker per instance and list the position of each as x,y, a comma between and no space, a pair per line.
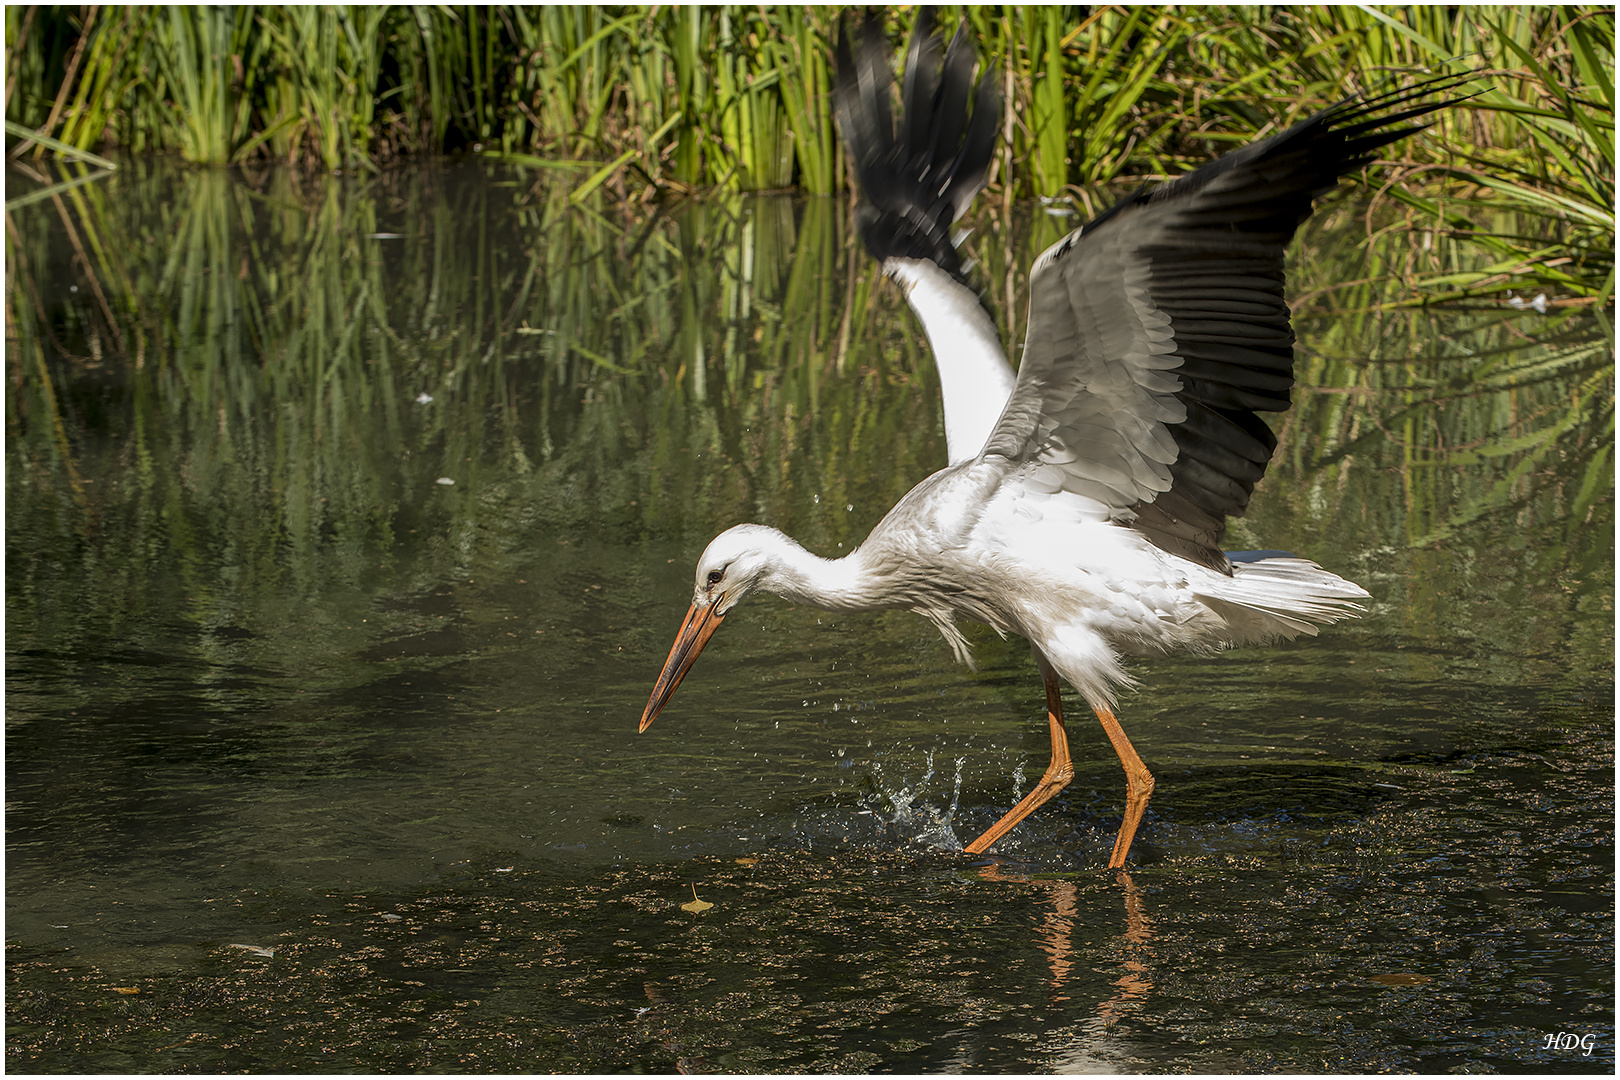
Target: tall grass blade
72,153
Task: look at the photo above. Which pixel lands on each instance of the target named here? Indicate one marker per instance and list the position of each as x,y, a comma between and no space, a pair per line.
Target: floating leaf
696,906
124,989
746,862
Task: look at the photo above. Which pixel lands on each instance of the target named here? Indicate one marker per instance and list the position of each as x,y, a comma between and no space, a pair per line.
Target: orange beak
695,632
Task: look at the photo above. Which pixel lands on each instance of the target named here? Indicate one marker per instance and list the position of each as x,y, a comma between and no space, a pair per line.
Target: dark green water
348,524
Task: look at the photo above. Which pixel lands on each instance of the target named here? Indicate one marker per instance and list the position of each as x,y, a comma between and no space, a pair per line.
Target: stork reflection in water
1085,498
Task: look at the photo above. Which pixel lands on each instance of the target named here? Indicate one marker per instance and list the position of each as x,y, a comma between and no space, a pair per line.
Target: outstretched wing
915,182
1159,331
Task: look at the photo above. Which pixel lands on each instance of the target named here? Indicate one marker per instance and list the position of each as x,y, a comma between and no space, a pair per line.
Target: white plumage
974,375
1086,497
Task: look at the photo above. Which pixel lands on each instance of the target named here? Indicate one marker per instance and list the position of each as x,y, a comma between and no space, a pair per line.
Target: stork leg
1138,781
1058,773
1138,786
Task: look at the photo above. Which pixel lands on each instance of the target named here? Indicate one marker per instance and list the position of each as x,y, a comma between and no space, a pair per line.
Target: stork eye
715,576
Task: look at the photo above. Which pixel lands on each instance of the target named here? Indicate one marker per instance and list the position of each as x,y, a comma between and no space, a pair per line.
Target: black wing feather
1159,331
915,182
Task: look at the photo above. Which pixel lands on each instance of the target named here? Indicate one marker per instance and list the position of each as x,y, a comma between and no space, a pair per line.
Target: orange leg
1138,781
1138,786
1057,775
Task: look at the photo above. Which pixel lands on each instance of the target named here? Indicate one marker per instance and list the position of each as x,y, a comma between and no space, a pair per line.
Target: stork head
733,565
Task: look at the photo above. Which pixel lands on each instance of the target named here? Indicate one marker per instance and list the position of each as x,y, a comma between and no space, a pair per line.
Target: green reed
739,95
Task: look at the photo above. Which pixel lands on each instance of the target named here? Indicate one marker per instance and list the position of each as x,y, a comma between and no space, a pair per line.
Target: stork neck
843,584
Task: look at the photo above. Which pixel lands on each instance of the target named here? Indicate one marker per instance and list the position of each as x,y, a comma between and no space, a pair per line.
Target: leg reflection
1087,1040
1056,934
1057,930
1135,982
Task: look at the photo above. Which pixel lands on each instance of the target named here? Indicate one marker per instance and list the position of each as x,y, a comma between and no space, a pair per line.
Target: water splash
903,808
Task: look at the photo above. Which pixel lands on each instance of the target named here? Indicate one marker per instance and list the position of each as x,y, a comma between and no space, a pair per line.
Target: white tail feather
1281,597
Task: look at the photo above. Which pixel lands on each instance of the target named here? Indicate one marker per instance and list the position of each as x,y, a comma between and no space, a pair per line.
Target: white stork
1085,499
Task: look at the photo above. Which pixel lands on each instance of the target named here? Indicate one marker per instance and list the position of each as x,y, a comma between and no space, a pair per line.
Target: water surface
348,523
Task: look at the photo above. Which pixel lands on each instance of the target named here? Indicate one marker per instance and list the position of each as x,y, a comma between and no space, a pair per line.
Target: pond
349,522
